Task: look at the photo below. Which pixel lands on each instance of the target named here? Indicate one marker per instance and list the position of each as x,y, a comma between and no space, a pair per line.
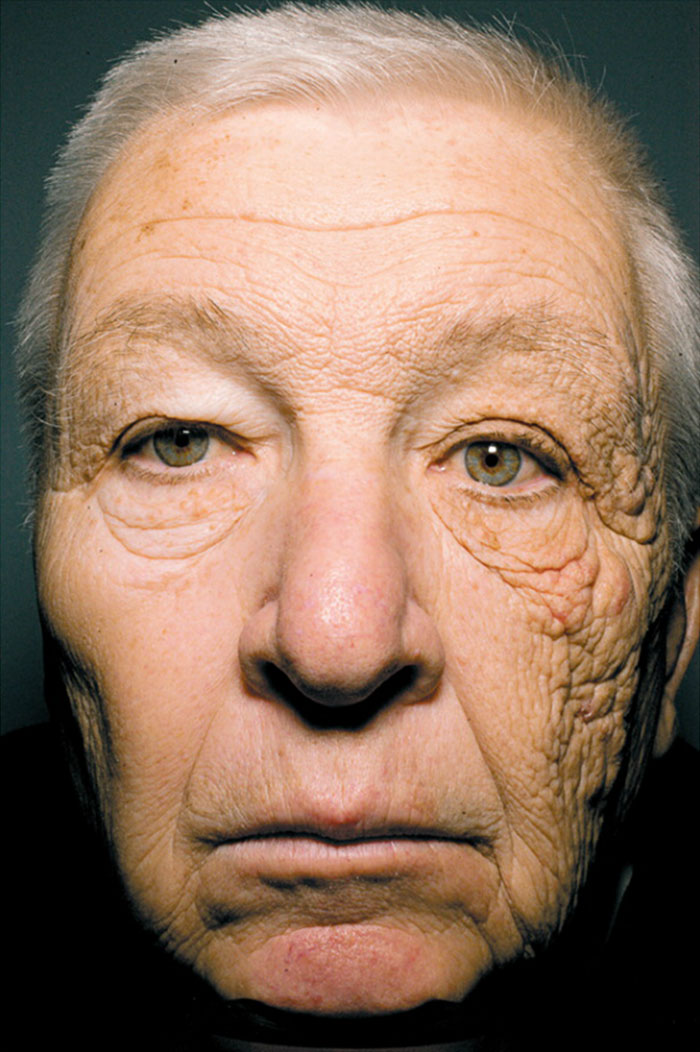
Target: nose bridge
343,587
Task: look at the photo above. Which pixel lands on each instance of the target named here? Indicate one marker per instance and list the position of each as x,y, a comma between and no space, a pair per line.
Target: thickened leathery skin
326,629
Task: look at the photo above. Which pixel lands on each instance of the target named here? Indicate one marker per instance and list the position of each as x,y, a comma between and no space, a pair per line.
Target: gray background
644,54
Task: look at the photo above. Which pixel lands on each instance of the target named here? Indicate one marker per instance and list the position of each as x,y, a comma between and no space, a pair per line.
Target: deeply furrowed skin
347,300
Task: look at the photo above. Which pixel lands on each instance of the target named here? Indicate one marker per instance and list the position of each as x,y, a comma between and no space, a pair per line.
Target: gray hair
331,53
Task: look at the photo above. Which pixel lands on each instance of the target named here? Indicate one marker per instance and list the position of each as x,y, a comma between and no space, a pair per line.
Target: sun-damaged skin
353,712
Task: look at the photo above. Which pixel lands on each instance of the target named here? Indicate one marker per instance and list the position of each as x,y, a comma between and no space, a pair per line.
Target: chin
347,970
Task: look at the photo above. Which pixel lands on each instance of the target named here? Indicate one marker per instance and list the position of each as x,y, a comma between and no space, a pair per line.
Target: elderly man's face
351,545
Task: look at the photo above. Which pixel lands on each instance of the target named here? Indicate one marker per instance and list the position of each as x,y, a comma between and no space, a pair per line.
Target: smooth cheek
123,620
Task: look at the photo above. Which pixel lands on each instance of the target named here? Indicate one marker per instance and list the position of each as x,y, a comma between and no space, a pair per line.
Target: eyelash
129,446
539,448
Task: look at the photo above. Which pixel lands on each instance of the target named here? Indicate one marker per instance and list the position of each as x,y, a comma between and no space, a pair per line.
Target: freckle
186,204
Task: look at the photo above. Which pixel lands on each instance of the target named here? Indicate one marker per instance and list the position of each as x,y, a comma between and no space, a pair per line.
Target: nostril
333,707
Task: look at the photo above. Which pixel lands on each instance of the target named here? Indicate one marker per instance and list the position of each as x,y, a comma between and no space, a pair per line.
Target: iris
178,447
492,463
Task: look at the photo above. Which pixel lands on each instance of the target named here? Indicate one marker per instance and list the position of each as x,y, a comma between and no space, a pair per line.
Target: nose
341,630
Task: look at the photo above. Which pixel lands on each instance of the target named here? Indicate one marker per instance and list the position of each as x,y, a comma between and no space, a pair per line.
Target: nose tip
366,681
342,630
341,697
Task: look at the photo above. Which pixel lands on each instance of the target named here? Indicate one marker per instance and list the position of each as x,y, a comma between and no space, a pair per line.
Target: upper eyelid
539,446
128,443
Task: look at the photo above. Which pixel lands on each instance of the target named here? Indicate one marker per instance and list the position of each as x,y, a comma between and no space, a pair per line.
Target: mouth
311,852
348,871
342,833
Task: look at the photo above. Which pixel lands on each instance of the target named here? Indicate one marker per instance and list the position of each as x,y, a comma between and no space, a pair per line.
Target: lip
309,852
320,824
300,856
356,873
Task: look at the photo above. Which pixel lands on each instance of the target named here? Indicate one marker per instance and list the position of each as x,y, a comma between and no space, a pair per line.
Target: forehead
387,213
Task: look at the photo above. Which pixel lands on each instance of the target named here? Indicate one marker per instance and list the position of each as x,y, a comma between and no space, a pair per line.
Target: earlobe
681,640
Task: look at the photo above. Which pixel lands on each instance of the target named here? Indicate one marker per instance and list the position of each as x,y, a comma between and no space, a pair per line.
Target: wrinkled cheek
551,557
589,596
526,544
553,605
170,522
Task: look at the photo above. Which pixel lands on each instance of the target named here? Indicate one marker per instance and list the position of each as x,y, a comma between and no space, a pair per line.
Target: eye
180,446
493,463
520,463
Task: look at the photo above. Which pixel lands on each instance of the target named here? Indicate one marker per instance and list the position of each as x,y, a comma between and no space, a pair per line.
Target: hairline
492,66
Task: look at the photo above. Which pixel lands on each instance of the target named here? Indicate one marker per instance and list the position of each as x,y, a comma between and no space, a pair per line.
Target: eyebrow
215,333
535,331
574,355
202,327
538,336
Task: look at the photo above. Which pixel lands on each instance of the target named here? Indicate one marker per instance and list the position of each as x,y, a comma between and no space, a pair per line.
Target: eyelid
531,441
136,435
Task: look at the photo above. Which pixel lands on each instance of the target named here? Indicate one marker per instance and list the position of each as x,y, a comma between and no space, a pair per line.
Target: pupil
182,437
492,459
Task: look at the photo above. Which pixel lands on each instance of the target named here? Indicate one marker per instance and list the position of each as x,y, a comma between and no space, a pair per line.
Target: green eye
178,447
492,463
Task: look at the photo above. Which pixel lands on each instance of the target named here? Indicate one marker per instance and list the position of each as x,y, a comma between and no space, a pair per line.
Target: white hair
330,53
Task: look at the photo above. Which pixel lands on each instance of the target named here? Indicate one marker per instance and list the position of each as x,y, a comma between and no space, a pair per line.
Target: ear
681,639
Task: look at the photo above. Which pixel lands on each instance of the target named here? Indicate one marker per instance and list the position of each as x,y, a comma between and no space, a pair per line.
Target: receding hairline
444,114
303,52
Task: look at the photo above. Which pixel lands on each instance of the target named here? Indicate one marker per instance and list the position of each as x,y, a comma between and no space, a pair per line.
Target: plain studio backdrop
642,53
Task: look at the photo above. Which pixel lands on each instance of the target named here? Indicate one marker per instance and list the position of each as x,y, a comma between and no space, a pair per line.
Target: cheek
171,521
566,571
150,643
545,648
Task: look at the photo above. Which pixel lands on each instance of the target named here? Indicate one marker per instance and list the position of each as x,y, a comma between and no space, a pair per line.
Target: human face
352,541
